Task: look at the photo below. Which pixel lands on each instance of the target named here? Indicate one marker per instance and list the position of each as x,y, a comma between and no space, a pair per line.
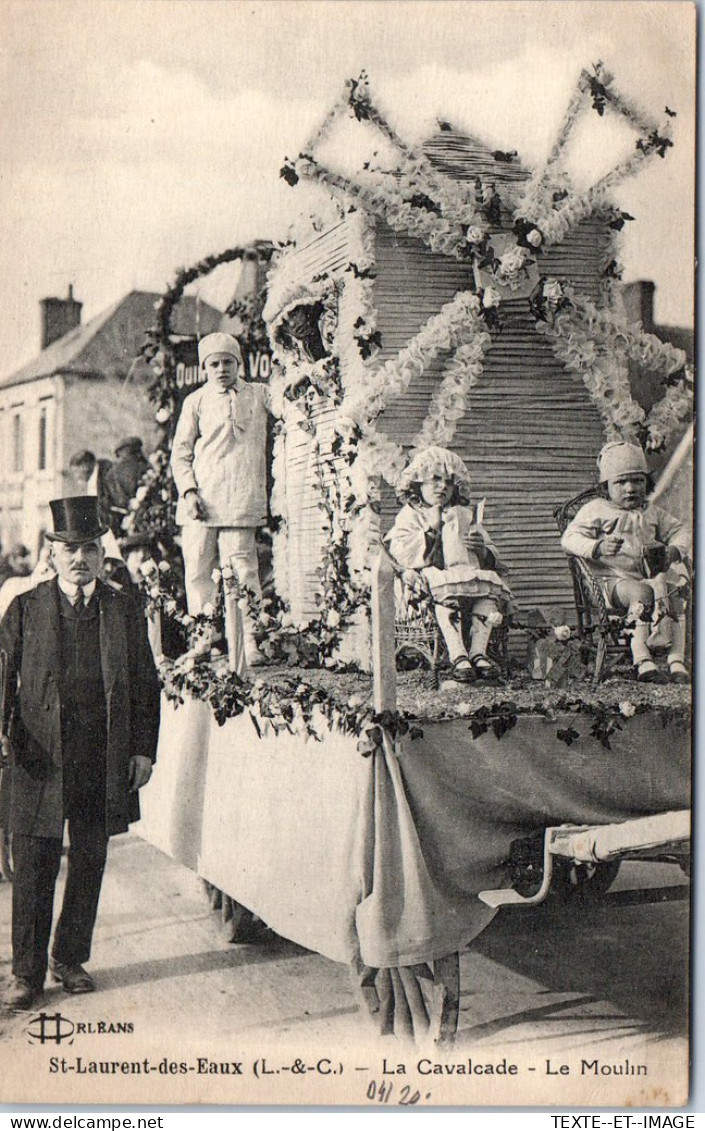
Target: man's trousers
36,866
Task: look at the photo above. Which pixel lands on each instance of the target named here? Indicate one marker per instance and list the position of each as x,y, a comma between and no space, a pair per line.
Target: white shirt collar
70,590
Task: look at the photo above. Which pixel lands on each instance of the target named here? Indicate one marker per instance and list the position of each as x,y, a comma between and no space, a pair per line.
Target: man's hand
194,506
140,771
609,546
7,754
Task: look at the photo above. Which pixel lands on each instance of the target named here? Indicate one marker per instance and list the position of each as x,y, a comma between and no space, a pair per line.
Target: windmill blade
551,201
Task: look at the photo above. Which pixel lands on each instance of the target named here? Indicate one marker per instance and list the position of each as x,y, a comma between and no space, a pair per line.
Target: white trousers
206,548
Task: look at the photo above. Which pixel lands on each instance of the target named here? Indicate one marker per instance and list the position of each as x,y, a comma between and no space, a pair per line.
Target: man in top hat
219,461
80,713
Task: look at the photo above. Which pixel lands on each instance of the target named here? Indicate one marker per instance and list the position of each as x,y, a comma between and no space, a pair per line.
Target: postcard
347,521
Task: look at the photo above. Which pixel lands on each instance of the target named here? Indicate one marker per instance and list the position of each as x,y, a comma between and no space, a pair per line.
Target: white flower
534,237
627,709
162,415
189,664
512,261
355,701
215,576
141,494
562,632
490,298
553,291
164,567
464,709
208,609
474,234
186,620
227,572
148,567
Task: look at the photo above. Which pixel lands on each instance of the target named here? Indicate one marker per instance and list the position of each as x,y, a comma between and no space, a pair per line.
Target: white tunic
220,449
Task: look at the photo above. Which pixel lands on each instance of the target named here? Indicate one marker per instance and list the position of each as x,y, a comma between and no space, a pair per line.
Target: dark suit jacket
29,636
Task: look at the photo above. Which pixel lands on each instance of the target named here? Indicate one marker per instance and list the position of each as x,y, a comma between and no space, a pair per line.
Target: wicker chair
600,629
417,632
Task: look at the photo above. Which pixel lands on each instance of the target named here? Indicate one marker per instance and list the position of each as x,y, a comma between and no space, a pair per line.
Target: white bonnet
431,462
621,458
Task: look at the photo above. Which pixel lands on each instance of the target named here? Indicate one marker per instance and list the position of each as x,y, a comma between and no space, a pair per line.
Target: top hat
76,519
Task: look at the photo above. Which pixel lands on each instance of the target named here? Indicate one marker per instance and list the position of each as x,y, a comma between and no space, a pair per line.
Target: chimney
249,289
58,316
638,299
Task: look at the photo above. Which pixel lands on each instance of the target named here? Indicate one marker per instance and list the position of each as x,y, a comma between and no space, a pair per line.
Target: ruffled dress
441,556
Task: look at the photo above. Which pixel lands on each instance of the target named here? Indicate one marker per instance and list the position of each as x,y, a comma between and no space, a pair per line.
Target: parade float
450,297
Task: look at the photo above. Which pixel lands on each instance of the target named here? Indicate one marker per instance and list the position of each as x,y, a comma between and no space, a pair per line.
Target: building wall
100,412
50,419
31,417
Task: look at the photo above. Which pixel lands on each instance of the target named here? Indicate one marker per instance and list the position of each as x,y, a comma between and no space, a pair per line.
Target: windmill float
456,299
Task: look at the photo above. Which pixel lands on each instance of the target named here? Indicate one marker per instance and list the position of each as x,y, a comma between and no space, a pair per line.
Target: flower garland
158,348
414,198
449,400
154,505
444,331
290,706
550,201
597,344
415,216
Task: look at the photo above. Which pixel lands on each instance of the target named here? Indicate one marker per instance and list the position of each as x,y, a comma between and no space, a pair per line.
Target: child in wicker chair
439,539
632,546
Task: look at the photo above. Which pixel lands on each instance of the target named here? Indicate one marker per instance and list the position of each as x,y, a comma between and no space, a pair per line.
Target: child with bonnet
439,537
632,546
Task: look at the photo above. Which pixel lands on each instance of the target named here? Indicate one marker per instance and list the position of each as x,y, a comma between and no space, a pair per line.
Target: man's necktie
78,601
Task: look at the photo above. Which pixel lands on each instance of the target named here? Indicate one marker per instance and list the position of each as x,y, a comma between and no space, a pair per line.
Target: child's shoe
647,672
485,668
677,672
462,670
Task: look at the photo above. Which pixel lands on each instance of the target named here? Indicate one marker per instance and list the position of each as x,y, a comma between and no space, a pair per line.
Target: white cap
621,458
219,343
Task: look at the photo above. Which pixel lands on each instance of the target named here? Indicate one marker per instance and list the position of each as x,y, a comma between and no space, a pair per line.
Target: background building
86,389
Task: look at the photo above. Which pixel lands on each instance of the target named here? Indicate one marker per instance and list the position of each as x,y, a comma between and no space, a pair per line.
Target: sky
141,135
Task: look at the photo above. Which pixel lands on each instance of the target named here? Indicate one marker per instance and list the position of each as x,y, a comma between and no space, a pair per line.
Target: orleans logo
46,1028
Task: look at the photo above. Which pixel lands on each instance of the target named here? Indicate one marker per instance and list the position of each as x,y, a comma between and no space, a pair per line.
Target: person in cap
80,716
440,537
218,460
123,478
632,545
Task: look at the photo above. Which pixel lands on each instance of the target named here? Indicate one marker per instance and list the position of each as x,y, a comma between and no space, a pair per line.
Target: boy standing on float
219,464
